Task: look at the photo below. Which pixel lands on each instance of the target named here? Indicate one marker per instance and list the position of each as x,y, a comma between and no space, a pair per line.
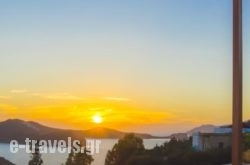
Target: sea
22,157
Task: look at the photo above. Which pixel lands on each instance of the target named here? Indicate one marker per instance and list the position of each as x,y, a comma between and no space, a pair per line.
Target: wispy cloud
116,99
5,97
65,97
58,96
35,94
18,91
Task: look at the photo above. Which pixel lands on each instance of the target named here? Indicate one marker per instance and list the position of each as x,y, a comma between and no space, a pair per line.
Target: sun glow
97,119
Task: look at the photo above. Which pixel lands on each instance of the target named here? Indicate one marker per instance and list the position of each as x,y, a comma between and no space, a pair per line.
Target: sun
97,119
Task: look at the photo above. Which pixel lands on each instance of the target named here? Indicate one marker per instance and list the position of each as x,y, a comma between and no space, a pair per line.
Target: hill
245,124
5,162
15,129
100,132
208,128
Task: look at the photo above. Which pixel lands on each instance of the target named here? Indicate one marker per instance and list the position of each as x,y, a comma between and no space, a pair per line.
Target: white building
205,141
229,130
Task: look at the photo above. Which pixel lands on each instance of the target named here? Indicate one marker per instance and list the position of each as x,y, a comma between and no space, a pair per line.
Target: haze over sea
22,158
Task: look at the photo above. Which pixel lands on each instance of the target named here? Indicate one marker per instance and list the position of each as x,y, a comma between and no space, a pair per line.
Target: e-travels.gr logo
51,146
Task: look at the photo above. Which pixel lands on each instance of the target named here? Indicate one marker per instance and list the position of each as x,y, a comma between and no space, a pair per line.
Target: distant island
16,129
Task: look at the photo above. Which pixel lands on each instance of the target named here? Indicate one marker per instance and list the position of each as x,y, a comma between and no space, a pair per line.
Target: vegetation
122,151
130,151
246,140
246,147
79,158
36,157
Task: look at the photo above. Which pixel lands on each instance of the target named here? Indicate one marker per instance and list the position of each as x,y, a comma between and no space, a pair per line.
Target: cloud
116,99
58,96
5,97
35,94
18,91
65,97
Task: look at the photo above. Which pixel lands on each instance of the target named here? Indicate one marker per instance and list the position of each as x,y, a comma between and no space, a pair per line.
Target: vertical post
237,84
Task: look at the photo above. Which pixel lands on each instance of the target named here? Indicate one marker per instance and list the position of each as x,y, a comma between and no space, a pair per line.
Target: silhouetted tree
36,157
177,152
246,141
79,158
126,147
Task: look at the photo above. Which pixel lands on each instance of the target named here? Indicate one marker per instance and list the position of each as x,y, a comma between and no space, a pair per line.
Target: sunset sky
148,66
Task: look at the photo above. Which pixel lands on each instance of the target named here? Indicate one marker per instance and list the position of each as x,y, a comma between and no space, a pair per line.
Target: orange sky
160,68
122,113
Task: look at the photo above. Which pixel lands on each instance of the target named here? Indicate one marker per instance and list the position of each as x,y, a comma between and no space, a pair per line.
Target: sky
148,66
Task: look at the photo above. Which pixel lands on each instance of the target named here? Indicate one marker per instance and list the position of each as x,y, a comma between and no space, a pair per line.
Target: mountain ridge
205,128
16,129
